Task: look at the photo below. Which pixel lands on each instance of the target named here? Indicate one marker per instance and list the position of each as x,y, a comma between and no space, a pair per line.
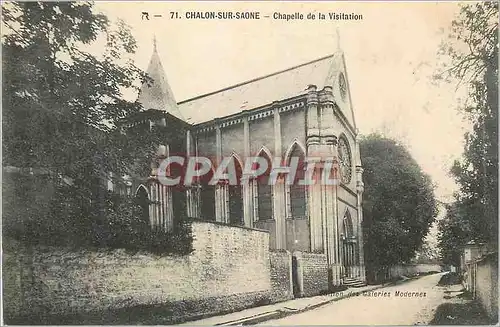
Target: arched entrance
348,245
142,198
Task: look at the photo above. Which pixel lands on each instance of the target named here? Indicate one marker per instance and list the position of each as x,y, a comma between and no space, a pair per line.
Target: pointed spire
159,95
337,64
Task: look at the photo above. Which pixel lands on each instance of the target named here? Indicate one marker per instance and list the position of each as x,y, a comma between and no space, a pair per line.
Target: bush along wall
108,220
62,286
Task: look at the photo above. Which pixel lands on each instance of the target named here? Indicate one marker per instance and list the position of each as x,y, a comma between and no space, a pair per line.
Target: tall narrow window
348,227
297,191
142,198
179,198
208,202
179,203
264,191
236,197
207,196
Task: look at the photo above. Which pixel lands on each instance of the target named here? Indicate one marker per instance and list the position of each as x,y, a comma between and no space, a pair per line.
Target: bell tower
156,92
330,121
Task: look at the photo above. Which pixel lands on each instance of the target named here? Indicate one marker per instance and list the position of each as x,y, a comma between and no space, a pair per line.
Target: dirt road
409,303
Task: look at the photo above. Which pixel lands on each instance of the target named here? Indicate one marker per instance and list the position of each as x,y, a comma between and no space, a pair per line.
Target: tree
398,204
62,106
475,212
453,234
428,253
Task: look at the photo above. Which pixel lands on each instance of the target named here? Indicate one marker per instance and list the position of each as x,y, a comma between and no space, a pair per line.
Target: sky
390,54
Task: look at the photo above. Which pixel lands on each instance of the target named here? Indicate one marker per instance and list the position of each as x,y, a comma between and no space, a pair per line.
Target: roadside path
410,303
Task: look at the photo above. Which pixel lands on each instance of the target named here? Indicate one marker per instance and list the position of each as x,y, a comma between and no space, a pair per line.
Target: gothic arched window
297,191
236,196
264,191
348,227
207,197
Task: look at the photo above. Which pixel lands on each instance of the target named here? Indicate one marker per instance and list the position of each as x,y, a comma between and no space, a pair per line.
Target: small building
479,264
472,251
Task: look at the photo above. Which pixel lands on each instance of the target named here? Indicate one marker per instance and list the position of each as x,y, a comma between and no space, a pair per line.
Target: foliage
63,113
398,203
23,196
474,215
116,222
62,106
179,241
427,254
60,103
453,234
476,30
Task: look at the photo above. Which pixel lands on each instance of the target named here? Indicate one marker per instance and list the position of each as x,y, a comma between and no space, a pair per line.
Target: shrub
179,241
110,221
450,278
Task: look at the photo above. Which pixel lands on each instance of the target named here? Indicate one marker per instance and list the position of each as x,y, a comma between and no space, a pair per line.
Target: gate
295,277
345,259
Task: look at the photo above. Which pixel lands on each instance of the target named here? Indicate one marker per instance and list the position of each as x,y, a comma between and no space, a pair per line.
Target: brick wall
228,270
281,275
312,273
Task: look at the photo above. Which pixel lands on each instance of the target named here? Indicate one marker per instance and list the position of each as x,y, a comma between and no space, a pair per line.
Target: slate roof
158,95
258,92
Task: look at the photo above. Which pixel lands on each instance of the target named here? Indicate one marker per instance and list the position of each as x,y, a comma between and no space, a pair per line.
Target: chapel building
304,111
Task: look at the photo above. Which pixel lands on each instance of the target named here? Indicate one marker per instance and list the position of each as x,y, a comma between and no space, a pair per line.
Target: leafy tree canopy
453,234
62,105
398,204
474,215
63,109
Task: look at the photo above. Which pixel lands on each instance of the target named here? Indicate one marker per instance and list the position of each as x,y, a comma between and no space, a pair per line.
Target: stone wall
228,270
412,270
281,276
232,140
484,285
293,127
262,134
207,144
268,225
315,270
312,273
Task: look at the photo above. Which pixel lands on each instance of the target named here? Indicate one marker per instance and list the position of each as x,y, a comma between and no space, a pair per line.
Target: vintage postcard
249,163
